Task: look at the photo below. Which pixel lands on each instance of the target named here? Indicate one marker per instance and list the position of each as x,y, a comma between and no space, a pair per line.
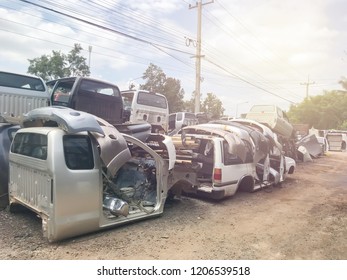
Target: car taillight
217,175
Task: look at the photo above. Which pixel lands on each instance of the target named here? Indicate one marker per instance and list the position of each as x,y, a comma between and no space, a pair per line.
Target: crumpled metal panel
310,142
261,143
266,131
235,143
113,148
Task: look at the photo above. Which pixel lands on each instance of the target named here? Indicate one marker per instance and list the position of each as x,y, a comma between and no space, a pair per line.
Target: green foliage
77,64
327,111
343,126
174,94
189,105
59,65
212,106
157,81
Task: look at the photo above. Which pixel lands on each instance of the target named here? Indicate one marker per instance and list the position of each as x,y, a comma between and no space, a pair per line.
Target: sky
254,51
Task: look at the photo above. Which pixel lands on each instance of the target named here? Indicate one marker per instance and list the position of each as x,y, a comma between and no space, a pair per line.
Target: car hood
67,119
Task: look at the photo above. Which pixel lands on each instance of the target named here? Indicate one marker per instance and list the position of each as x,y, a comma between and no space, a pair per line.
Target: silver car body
120,181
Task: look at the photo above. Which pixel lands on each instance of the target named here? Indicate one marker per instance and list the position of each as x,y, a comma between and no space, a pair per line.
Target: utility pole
90,54
307,84
198,56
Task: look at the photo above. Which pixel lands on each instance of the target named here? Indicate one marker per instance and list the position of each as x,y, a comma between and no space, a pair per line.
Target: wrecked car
282,164
224,159
277,120
80,174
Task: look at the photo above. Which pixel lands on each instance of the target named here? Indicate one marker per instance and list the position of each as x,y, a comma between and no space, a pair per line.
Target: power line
105,28
160,47
248,82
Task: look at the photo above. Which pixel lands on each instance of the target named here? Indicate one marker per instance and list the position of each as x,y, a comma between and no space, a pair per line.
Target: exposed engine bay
132,190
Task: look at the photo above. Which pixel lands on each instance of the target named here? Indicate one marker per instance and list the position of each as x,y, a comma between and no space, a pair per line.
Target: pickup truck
96,97
80,174
19,94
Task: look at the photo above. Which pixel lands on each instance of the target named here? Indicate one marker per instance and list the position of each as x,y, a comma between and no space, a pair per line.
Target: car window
78,152
31,145
230,159
179,116
151,99
99,87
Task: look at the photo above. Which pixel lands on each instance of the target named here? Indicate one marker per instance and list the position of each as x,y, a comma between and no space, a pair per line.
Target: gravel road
304,218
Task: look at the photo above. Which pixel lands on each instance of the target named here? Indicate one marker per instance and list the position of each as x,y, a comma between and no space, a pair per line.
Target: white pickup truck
80,174
19,94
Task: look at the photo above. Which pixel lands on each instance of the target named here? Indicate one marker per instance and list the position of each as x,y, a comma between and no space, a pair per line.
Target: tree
174,94
59,65
189,105
212,106
77,63
48,67
325,111
157,81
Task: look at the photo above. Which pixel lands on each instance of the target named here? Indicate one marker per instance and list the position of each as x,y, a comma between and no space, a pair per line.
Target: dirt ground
304,218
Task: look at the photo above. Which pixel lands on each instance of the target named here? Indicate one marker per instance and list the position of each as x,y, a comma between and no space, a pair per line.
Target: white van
181,119
19,94
143,105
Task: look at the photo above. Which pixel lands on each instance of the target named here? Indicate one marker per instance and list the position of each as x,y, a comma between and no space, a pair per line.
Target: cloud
262,41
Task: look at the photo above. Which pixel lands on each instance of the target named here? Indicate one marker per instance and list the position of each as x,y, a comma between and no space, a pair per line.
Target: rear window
30,144
151,99
99,87
78,152
21,81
